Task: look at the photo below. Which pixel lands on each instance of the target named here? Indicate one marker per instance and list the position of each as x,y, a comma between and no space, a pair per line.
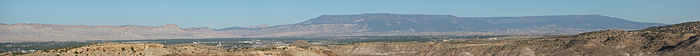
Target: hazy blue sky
230,13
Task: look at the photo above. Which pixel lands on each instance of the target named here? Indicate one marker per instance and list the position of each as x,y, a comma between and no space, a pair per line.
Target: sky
239,13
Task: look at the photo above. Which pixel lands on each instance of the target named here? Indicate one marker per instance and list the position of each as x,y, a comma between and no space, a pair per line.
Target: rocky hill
421,24
120,49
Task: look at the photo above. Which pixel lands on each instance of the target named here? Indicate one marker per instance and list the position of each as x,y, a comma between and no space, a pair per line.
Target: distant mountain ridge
371,24
52,32
417,23
670,40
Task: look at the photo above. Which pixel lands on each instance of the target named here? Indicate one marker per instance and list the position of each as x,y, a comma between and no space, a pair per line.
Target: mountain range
371,24
421,24
670,40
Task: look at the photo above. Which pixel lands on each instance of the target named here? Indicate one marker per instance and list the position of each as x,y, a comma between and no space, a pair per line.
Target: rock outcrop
108,49
120,49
